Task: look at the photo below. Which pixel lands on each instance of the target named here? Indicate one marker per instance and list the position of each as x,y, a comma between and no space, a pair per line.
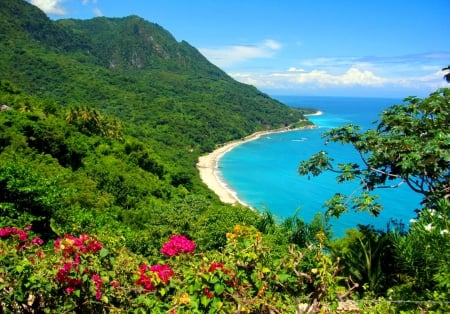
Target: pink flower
98,282
37,240
164,272
178,244
70,245
70,290
115,284
23,236
5,232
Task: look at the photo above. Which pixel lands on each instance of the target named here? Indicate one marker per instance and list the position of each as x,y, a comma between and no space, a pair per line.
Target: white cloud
350,78
272,44
98,12
55,7
415,74
227,56
293,76
294,69
50,6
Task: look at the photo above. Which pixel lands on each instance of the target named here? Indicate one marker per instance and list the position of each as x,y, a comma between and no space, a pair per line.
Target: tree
447,75
89,121
410,145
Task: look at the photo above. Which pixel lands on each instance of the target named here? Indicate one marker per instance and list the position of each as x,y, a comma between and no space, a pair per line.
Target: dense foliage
102,209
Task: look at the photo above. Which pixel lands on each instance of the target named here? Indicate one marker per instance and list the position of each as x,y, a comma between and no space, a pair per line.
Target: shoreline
207,165
317,113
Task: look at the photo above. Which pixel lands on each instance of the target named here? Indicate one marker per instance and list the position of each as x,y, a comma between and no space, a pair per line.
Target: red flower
208,293
164,272
146,282
214,266
231,281
40,253
178,244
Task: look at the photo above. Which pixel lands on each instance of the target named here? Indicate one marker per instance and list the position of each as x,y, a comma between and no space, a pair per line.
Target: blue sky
384,48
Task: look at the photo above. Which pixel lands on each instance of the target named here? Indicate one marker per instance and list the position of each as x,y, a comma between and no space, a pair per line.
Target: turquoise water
263,172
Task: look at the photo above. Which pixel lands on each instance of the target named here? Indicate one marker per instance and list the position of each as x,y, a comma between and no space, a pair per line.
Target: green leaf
103,252
283,277
218,288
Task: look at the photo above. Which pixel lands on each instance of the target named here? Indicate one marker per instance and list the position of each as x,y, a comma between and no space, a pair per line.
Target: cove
263,173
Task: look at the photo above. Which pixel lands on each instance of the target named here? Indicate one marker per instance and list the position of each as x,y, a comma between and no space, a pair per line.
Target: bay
263,173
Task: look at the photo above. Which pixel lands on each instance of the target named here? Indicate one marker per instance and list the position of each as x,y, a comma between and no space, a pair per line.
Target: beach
208,165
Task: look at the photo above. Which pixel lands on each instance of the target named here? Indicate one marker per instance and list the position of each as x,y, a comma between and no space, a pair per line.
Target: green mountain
135,70
105,120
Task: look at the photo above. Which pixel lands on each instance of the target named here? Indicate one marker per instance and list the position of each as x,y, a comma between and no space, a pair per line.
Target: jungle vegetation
102,122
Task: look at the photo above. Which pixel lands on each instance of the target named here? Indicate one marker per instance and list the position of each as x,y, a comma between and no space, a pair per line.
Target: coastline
207,165
318,113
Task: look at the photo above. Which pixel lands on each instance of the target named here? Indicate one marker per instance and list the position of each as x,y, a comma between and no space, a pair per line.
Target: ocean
263,173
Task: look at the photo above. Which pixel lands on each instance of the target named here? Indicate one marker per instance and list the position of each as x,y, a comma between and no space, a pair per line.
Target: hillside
135,70
114,112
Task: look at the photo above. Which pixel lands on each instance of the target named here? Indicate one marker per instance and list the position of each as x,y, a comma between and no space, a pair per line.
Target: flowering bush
71,246
81,275
21,272
74,268
178,244
151,276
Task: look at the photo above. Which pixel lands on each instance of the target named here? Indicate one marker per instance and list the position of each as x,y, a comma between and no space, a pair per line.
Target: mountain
102,122
136,70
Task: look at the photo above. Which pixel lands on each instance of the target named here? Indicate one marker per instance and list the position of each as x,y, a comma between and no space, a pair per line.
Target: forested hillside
101,124
135,70
117,112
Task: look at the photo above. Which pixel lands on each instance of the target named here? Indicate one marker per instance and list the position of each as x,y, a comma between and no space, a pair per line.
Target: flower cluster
72,270
68,275
70,245
178,244
98,282
150,276
22,236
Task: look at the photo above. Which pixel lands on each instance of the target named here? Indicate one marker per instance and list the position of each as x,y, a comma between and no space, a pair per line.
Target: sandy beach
208,165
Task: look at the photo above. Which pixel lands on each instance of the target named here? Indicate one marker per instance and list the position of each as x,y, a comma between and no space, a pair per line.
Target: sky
373,48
